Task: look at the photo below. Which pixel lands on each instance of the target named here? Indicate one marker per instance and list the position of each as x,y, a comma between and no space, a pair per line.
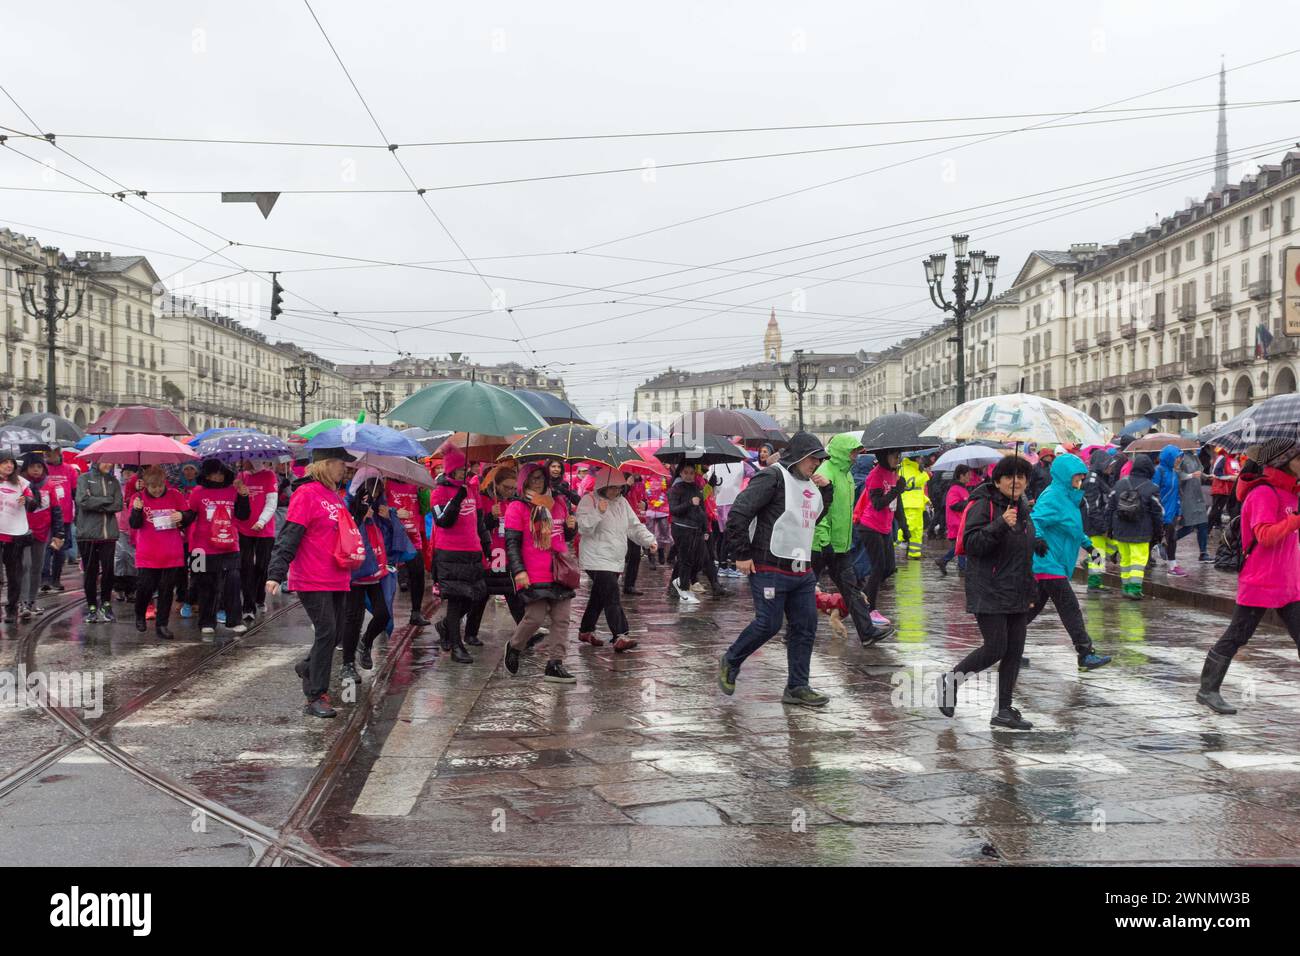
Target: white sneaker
208,630
698,587
687,596
239,629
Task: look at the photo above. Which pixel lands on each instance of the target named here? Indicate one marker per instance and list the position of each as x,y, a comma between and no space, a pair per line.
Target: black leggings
1246,619
11,553
1217,509
326,611
474,619
1171,541
254,558
604,597
151,580
1004,645
97,566
1067,606
880,551
688,543
415,583
356,610
462,609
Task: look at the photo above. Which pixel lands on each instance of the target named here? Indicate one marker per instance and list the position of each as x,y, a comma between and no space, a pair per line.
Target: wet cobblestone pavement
200,755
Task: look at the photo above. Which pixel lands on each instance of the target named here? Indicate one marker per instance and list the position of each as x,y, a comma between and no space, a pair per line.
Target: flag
1263,339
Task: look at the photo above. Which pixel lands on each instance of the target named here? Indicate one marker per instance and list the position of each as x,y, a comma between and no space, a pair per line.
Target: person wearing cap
1042,476
460,543
46,521
215,506
305,557
833,539
783,502
16,500
607,523
99,501
1268,488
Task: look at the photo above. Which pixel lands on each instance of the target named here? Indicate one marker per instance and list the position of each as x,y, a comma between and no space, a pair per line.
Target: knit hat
1275,452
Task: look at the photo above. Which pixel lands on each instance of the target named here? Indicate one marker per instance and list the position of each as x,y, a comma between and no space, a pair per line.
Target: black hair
959,474
1012,465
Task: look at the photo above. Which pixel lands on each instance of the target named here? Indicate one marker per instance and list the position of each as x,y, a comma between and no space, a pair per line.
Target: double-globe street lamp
966,276
51,292
296,383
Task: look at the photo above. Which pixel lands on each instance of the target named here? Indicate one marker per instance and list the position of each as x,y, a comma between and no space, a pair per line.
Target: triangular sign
265,201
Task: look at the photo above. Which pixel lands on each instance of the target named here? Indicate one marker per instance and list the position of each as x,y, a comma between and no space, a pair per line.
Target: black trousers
840,567
631,566
356,610
705,562
97,567
462,610
880,551
1004,645
326,610
688,543
254,558
11,553
1067,606
604,597
516,605
1217,508
415,583
474,619
218,579
161,581
1246,619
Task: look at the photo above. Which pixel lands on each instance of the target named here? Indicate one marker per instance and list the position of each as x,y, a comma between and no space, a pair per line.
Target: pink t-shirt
872,517
259,484
495,560
313,567
62,482
1271,576
537,562
41,521
404,496
158,542
958,495
463,534
213,531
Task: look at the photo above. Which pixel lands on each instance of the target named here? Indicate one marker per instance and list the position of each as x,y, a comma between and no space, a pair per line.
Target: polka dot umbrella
243,446
574,443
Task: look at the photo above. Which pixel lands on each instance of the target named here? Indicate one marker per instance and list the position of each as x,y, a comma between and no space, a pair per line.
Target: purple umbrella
243,445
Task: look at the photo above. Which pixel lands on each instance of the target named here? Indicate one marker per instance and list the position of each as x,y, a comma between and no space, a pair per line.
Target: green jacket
836,525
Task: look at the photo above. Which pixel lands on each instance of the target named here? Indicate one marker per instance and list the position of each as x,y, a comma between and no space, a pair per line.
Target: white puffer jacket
603,545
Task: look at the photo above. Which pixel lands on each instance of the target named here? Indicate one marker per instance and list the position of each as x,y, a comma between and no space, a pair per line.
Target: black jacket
999,558
1096,495
1039,480
460,573
763,499
1151,525
685,514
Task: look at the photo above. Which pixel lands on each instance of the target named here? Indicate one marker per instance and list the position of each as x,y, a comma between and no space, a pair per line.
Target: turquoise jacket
1058,520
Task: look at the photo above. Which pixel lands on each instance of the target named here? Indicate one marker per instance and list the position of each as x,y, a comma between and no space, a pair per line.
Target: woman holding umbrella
257,534
460,541
157,517
215,506
307,556
607,523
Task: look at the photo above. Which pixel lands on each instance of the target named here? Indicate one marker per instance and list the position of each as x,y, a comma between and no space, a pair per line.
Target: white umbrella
401,469
974,456
1018,418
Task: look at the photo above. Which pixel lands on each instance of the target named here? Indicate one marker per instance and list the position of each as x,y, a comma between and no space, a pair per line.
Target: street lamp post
757,397
48,305
966,274
296,383
379,402
806,375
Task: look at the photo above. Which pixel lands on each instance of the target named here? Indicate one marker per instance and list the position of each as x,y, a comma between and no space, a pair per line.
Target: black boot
364,658
419,620
444,638
303,670
459,654
1212,675
473,641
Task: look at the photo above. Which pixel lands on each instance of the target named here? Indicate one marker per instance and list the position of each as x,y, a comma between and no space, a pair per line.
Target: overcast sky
445,72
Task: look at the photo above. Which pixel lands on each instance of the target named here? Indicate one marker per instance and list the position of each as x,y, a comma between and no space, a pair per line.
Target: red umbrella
138,420
650,465
139,450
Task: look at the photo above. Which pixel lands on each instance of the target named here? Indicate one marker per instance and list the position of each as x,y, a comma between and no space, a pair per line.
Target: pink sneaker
879,619
1177,572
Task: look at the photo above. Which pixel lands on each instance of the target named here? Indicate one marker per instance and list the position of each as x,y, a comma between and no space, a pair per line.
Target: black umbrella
715,421
1276,417
704,450
551,407
24,439
1171,410
897,430
574,443
51,428
430,441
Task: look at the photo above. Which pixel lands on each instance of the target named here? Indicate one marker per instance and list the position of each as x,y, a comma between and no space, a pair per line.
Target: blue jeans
952,553
794,599
1202,534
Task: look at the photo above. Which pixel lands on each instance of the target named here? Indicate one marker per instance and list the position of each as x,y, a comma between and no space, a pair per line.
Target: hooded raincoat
1058,519
1166,479
836,526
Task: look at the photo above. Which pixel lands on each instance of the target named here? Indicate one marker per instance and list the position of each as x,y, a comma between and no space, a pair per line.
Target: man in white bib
770,533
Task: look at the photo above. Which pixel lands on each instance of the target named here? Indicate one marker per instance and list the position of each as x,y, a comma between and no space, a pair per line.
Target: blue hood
1166,479
1058,520
1169,455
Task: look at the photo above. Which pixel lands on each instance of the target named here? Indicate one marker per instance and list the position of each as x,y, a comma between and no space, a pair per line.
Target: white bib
792,534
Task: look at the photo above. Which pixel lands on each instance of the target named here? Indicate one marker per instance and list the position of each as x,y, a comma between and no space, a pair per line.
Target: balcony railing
1081,345
1207,362
1128,331
1103,338
1238,356
1070,393
1221,302
1260,289
1186,312
1112,382
1090,387
1143,376
1283,345
1049,393
30,386
1157,322
1170,370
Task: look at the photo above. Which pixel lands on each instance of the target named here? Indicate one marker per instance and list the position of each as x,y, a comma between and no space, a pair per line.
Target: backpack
959,546
1128,504
1229,556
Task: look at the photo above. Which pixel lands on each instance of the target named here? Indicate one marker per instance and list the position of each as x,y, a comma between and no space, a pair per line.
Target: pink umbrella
139,450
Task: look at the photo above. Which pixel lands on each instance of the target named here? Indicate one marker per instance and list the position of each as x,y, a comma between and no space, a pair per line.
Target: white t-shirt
13,512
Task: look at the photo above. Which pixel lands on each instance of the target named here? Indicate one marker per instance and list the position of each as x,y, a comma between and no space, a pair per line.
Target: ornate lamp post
49,293
296,383
801,377
966,276
378,401
757,397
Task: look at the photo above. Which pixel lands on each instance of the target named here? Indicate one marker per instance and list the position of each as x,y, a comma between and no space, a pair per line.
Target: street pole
378,403
806,377
295,383
966,276
51,308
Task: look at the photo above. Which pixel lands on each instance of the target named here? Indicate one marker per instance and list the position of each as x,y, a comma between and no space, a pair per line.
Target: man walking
784,502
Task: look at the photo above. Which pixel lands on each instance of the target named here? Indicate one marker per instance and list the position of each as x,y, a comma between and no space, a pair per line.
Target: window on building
1245,273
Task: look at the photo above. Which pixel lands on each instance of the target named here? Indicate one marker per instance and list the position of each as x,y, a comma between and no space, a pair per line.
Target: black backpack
1128,503
1228,556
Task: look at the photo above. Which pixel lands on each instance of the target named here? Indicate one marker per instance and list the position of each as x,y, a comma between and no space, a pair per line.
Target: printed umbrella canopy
901,430
138,420
244,446
377,439
1276,417
1018,418
214,432
24,439
470,406
704,450
139,450
573,443
401,469
551,407
312,429
52,428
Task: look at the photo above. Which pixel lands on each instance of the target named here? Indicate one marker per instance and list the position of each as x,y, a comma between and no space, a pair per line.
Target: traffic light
277,294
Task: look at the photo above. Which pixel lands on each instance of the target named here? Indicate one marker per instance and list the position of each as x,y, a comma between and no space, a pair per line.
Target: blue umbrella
243,445
634,429
214,432
87,440
1138,426
376,439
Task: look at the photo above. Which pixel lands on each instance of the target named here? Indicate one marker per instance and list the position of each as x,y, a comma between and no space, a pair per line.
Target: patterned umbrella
1018,418
1276,417
138,420
241,446
468,405
376,439
23,438
574,443
214,432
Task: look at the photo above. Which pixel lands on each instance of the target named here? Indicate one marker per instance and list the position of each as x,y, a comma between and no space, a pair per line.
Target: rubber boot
1212,675
1094,583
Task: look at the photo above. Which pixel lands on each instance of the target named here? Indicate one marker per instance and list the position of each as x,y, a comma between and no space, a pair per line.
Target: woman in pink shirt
305,555
1269,490
536,527
404,499
459,545
216,505
873,517
963,480
257,535
157,516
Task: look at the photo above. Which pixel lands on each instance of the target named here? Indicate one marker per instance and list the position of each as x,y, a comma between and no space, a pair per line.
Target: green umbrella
468,406
325,424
